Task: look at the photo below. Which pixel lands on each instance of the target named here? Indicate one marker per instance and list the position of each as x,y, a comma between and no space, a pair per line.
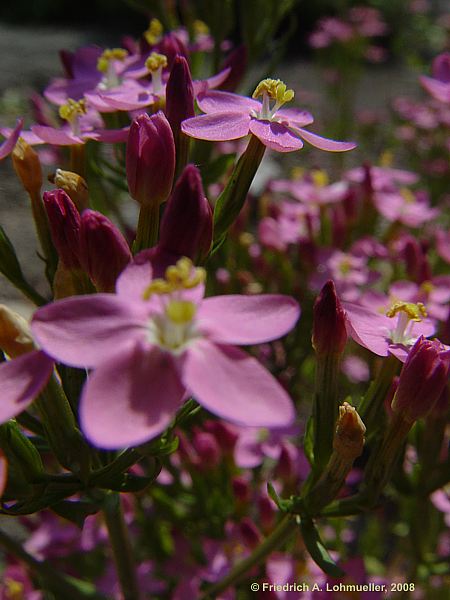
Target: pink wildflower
230,117
157,340
11,139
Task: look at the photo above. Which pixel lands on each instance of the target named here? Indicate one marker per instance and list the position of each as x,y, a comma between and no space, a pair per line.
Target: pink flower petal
109,136
275,135
438,89
21,380
136,278
83,331
8,145
248,319
367,328
58,137
217,127
129,99
295,116
323,143
203,85
131,398
220,102
235,386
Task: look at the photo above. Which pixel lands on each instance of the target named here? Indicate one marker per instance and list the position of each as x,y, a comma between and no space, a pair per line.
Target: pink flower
391,333
157,340
11,139
403,206
230,117
439,85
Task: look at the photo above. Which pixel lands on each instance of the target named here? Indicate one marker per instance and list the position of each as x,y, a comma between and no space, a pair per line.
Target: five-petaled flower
230,117
158,340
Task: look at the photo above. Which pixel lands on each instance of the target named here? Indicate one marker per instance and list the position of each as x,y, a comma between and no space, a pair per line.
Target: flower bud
251,535
74,185
348,440
15,336
27,167
179,94
207,449
422,379
150,159
104,252
64,220
329,331
171,46
186,226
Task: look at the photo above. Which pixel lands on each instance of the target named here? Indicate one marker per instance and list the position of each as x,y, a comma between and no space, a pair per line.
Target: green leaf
317,550
76,512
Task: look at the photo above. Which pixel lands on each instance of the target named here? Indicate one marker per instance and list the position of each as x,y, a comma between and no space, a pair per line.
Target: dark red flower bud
104,252
64,220
329,331
422,379
179,94
150,159
186,226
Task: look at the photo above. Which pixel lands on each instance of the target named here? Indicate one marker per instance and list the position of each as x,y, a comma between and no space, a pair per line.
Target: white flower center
408,314
175,328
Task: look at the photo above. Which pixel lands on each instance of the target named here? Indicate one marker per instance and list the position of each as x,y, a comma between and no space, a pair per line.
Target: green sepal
308,441
75,512
283,505
317,550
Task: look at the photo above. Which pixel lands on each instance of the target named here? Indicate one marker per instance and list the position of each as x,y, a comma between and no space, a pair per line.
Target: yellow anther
181,311
200,27
414,311
181,276
297,172
427,287
154,32
275,89
14,589
72,109
386,159
108,55
345,266
320,178
156,61
408,195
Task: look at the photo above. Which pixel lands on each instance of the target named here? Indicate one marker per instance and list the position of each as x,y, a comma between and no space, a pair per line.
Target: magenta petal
248,319
217,127
275,135
235,386
324,143
438,89
295,116
368,328
109,136
58,137
129,99
83,331
220,102
21,380
8,145
131,398
136,278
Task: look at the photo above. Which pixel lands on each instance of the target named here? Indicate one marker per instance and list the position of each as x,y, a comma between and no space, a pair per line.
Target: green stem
231,200
121,546
325,408
148,228
61,586
283,531
371,409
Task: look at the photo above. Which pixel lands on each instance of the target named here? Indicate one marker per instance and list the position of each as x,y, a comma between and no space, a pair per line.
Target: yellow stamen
275,89
427,287
156,61
154,32
297,172
109,55
415,312
72,109
386,159
182,276
408,195
181,311
14,589
200,27
320,178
